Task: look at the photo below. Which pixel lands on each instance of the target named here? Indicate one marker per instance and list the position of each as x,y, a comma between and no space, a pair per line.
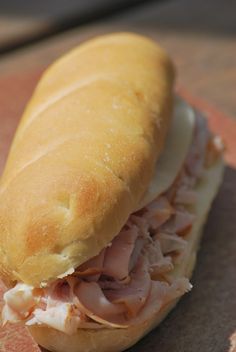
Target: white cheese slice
177,144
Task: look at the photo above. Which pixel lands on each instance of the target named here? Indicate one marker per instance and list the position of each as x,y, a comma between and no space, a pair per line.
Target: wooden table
200,36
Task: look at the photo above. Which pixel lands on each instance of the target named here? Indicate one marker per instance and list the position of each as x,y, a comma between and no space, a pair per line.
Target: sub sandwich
103,198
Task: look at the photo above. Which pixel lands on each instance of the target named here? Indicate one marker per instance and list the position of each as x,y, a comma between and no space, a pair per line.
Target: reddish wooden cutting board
205,319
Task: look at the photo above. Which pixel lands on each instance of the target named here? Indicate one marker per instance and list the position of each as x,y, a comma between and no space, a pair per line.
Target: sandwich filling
135,272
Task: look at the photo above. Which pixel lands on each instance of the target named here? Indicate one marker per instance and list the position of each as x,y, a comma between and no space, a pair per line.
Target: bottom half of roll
111,339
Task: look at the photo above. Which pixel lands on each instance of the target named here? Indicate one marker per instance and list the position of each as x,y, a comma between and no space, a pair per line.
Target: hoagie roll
106,188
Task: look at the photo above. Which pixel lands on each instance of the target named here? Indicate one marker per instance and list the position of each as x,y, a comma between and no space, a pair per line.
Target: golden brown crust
83,155
116,340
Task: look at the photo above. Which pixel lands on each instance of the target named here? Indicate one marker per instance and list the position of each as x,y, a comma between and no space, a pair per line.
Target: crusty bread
115,340
83,155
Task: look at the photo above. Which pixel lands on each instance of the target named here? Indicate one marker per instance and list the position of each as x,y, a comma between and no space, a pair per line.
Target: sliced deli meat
20,301
92,302
93,268
61,317
171,243
130,278
117,256
135,294
158,212
180,223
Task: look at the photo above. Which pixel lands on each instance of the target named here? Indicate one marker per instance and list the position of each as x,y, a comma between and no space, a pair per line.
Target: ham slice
20,300
141,223
117,256
157,262
112,284
158,212
180,223
59,291
171,243
92,302
185,196
60,317
91,269
133,296
139,244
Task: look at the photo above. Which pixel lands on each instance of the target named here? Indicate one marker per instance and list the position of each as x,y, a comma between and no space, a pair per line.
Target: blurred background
200,35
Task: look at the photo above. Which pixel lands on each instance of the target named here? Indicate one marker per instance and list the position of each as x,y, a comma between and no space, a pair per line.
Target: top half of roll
83,155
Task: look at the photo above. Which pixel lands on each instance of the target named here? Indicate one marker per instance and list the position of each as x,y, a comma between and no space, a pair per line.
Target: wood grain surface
205,319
